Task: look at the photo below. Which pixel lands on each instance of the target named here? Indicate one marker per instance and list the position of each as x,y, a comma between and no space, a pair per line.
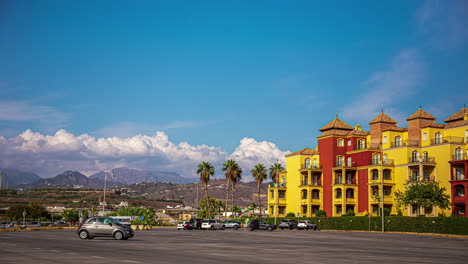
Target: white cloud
49,155
386,88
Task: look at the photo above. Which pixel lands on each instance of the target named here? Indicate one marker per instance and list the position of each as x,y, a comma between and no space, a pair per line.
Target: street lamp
382,189
104,199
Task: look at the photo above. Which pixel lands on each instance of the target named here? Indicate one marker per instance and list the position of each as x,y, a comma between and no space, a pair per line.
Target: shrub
320,213
290,214
350,213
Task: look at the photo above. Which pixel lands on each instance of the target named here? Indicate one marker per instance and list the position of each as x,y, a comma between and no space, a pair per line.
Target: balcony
460,156
371,146
280,185
448,140
349,181
405,143
345,164
426,160
311,166
414,178
388,162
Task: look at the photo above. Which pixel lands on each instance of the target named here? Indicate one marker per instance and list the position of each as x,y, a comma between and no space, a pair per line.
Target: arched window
315,194
304,194
350,193
340,142
338,193
375,159
438,138
340,161
458,154
459,190
361,144
415,156
397,141
283,182
307,163
425,156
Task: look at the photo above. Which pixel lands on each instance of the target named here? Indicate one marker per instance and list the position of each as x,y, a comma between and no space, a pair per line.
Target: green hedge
441,225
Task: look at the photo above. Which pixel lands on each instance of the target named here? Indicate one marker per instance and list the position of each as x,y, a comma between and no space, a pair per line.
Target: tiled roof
420,114
458,123
458,115
336,132
304,151
397,129
358,133
435,125
382,118
336,124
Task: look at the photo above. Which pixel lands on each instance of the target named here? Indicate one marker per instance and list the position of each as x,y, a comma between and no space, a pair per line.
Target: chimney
358,127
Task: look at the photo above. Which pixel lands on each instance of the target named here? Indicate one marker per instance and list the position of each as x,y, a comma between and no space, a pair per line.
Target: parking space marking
130,261
96,257
53,250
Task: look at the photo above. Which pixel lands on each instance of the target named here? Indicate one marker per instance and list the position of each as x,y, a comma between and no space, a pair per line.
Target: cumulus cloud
49,155
388,87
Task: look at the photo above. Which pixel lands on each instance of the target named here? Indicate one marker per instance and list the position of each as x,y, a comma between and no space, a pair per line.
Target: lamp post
382,194
104,198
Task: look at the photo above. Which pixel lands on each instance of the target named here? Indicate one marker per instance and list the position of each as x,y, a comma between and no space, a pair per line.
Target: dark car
104,227
257,224
288,223
194,223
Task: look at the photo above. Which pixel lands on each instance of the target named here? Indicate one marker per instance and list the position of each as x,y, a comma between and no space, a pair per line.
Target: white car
32,224
305,224
7,225
181,225
211,224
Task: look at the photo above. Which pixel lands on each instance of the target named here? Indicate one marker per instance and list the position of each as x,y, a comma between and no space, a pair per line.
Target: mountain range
131,176
12,177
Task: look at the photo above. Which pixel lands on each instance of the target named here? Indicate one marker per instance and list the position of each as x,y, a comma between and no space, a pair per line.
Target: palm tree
259,173
236,176
206,170
275,169
229,167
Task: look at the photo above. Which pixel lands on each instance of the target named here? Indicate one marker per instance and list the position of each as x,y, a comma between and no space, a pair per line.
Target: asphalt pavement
168,245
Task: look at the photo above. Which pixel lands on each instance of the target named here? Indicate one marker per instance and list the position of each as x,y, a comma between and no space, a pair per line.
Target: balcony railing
345,164
312,166
371,146
460,156
283,184
423,178
421,159
389,162
348,181
403,143
444,140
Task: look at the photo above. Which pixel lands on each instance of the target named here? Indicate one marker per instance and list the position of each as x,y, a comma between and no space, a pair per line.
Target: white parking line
53,250
96,257
73,253
130,261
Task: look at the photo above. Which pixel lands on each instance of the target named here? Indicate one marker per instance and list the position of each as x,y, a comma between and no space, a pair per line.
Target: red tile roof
336,124
420,114
304,151
382,118
459,115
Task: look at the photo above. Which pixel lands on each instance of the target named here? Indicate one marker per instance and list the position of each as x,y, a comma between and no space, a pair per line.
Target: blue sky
212,73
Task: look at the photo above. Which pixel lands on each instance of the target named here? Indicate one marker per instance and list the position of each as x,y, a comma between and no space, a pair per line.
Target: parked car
211,224
257,224
31,224
104,227
182,225
125,220
288,223
194,223
7,225
305,224
59,224
232,224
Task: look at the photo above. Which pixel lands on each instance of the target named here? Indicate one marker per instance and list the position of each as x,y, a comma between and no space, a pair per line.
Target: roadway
167,245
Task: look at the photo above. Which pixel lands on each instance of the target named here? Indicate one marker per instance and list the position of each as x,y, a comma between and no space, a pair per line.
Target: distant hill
246,192
131,176
12,177
69,179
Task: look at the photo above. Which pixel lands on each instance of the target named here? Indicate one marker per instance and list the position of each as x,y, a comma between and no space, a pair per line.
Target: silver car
104,227
211,224
232,224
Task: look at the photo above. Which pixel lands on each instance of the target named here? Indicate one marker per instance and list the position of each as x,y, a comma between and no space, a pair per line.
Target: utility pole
104,199
382,190
1,179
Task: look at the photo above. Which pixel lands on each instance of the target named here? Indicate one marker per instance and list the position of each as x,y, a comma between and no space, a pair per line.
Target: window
375,191
316,180
350,193
459,174
361,144
282,195
339,209
316,194
350,179
272,194
425,136
460,209
307,163
315,163
425,156
387,191
387,174
306,180
338,193
304,210
414,209
315,208
375,159
426,175
397,141
281,210
340,161
375,175
350,162
304,194
414,175
340,142
459,191
428,210
385,159
438,138
339,178
466,136
351,143
458,154
384,140
415,156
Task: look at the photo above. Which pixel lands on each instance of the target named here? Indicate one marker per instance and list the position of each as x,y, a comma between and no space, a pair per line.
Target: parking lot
168,245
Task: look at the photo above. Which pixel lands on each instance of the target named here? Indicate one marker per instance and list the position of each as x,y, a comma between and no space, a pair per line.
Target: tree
259,174
275,169
36,211
320,213
206,170
208,209
236,176
290,214
71,215
426,194
16,211
252,207
230,168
